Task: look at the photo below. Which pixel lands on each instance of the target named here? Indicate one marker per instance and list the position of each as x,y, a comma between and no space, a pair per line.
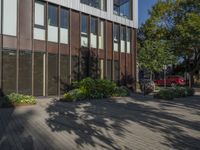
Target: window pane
116,71
101,35
64,22
84,31
128,40
9,71
123,8
10,17
25,72
39,74
100,4
123,39
75,68
39,14
93,35
116,37
52,74
52,15
64,73
109,69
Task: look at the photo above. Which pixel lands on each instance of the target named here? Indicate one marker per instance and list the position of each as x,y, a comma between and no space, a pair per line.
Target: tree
177,23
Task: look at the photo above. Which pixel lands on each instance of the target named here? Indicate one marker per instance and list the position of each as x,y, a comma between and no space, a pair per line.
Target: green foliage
166,94
121,92
14,99
174,92
89,88
173,30
74,95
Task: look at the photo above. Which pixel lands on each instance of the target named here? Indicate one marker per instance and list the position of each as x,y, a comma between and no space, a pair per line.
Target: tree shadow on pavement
105,122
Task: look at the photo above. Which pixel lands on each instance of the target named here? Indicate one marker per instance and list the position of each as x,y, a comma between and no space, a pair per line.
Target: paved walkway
137,123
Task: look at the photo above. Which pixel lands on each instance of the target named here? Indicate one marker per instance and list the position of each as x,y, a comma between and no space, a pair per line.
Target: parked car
171,81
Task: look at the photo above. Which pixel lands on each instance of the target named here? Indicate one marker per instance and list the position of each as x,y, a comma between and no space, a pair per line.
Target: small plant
74,95
166,94
14,99
121,92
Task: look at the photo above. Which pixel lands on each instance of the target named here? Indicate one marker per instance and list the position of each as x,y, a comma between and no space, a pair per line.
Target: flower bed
16,99
174,92
94,89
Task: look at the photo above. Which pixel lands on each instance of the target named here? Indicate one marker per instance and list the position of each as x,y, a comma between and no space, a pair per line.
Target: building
46,44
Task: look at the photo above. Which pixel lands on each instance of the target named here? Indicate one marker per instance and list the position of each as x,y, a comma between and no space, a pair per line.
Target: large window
123,8
25,72
10,17
116,71
101,34
9,71
52,23
64,73
93,34
64,26
123,39
100,4
39,29
109,69
39,74
128,40
84,31
116,38
52,74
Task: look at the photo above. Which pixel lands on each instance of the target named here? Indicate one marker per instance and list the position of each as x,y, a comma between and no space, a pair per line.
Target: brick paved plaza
137,123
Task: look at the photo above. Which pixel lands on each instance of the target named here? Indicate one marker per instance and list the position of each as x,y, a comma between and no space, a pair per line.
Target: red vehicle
171,81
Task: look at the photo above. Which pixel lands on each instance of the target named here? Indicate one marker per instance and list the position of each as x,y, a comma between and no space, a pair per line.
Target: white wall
10,17
76,5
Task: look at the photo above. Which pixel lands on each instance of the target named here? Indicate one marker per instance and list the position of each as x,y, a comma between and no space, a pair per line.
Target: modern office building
46,44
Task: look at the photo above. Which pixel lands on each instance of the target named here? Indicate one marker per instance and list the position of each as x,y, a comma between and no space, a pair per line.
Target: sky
144,6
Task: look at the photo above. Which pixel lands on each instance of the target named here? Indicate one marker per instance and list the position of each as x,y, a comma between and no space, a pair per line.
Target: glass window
75,68
116,71
128,40
8,71
93,35
101,34
100,4
39,74
84,30
39,13
39,29
116,37
101,69
64,73
64,23
123,39
109,69
10,17
123,8
64,16
25,72
52,74
52,15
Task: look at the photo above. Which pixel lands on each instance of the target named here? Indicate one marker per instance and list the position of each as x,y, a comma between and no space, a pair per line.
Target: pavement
131,123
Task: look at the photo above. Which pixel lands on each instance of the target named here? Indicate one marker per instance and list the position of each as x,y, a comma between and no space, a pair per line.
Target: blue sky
144,6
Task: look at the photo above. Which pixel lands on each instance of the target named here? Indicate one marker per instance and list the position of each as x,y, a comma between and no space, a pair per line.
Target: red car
171,81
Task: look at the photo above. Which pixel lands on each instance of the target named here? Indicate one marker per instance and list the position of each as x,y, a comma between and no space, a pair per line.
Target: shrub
18,99
105,87
166,94
120,92
190,91
74,95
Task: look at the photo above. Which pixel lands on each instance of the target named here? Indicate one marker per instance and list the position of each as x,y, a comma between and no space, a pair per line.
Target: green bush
190,91
166,94
14,99
174,92
74,95
121,92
